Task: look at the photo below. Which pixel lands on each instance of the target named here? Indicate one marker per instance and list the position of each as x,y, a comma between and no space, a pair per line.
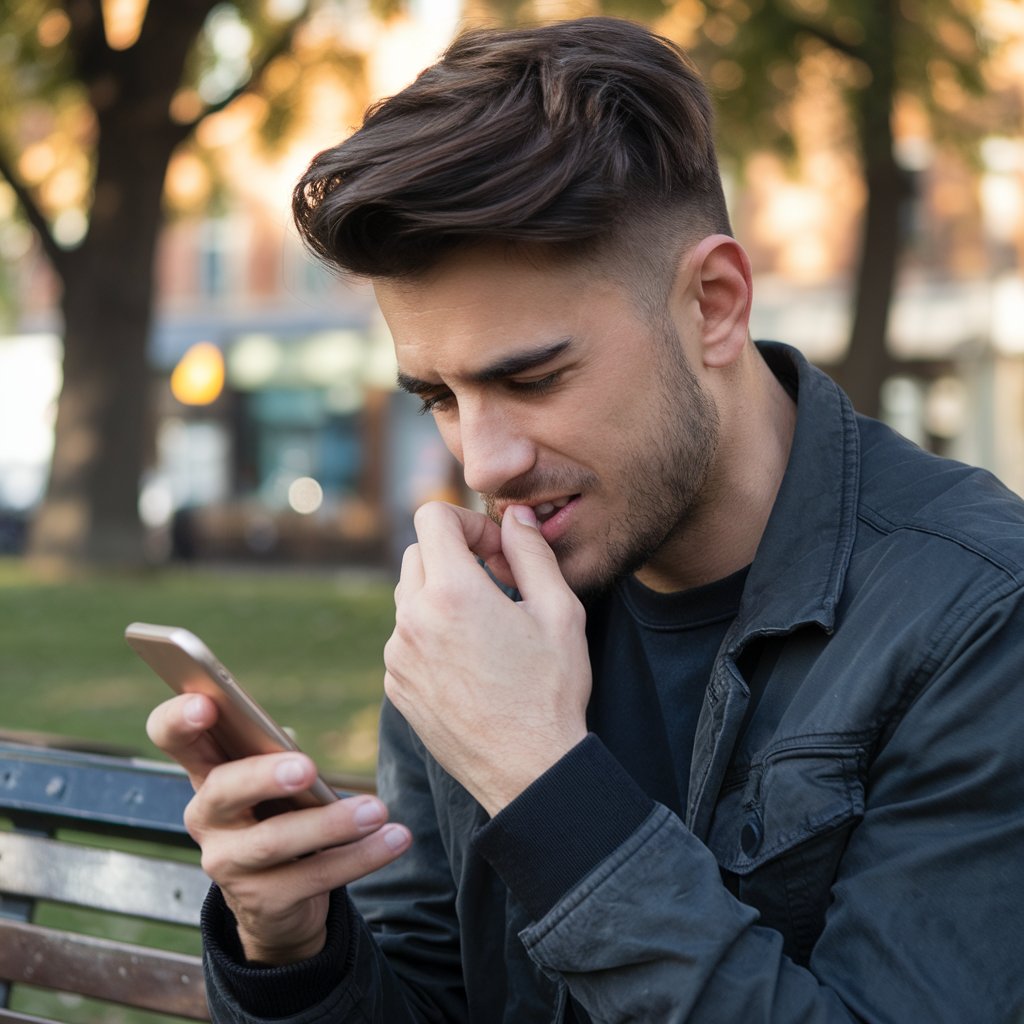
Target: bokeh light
198,379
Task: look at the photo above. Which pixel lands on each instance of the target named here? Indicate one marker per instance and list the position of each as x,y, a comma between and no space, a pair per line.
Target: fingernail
290,773
524,514
369,813
194,711
395,837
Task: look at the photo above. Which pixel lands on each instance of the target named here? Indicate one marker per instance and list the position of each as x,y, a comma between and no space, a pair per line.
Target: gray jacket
853,845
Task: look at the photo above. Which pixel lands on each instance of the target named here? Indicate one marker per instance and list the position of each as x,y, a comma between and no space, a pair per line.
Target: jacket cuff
275,991
563,825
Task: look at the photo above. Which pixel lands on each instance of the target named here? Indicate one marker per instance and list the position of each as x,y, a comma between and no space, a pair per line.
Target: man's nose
494,447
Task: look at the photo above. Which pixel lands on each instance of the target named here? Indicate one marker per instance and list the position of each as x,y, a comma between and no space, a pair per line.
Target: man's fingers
306,877
340,865
411,578
234,788
453,538
287,837
180,728
530,557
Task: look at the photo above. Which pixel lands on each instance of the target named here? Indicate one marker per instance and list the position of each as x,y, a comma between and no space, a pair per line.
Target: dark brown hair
566,136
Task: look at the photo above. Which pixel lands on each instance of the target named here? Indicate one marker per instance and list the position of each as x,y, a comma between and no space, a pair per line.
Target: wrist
513,776
260,954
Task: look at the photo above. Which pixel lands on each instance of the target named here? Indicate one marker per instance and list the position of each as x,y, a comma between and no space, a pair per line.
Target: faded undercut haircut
588,139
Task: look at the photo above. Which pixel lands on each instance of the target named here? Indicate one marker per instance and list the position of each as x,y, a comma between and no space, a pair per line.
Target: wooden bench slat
119,972
103,879
21,1018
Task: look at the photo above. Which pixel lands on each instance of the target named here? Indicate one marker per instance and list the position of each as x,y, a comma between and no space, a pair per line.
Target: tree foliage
930,50
92,112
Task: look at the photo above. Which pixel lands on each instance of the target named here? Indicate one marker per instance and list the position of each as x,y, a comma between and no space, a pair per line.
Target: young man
749,747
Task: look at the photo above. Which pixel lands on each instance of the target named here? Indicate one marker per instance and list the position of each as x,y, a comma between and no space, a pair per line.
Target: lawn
307,646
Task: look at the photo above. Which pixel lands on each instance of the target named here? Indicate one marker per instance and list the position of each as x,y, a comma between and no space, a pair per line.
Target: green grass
307,646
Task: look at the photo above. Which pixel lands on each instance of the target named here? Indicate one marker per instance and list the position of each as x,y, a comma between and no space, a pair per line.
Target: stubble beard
665,477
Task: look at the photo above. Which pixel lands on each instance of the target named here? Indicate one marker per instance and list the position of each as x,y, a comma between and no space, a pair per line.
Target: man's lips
555,515
544,510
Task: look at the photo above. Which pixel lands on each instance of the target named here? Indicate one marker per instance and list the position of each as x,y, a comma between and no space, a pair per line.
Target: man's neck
725,530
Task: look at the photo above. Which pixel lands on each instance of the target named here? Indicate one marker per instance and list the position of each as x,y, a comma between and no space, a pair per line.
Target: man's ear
716,275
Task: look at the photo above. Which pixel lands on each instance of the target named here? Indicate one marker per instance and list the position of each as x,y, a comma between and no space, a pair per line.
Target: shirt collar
798,572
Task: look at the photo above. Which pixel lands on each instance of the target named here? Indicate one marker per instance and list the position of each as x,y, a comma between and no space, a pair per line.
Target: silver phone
243,728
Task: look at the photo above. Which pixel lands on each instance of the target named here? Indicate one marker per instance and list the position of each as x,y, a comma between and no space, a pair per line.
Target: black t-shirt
651,656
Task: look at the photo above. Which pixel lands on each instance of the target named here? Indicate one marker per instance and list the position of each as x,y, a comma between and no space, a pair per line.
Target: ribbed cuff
275,991
559,829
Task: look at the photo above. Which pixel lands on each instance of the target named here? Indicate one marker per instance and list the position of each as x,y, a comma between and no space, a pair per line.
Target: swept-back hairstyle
566,136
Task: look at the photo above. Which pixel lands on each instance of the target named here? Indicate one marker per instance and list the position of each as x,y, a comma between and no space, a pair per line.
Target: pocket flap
791,796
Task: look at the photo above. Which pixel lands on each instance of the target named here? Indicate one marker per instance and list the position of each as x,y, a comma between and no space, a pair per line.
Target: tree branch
34,215
280,46
830,39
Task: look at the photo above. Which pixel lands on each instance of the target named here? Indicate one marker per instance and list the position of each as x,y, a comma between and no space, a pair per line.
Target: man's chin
588,583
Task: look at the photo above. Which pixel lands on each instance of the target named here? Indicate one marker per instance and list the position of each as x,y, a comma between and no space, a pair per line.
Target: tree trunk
868,361
90,511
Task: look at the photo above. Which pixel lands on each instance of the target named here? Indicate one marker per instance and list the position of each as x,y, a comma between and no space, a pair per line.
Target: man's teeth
546,508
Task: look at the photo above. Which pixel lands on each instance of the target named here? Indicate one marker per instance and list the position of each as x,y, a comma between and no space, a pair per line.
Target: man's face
554,391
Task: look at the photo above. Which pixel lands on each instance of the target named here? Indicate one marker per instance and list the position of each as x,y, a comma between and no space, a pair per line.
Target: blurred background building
275,430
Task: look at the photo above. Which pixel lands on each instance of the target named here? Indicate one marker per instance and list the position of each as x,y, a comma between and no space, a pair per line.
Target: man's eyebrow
507,366
520,362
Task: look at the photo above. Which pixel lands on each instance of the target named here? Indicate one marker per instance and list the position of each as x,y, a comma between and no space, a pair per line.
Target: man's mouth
546,509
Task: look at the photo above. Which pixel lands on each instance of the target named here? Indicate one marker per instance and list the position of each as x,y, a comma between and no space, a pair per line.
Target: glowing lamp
198,379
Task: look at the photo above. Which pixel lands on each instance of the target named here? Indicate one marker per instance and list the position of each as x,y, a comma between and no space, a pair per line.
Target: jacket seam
937,652
874,518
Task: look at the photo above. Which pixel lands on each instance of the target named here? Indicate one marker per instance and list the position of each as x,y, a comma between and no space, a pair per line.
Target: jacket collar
798,572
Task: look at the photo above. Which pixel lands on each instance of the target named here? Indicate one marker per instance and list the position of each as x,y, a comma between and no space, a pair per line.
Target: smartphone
243,728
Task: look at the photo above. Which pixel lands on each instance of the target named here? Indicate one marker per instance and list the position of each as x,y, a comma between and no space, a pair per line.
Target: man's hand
276,875
496,689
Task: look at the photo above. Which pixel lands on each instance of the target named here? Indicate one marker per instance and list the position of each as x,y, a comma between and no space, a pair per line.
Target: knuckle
569,615
577,614
262,847
393,653
193,818
321,873
215,863
392,689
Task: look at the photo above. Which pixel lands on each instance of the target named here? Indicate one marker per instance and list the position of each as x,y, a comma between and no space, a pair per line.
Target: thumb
529,555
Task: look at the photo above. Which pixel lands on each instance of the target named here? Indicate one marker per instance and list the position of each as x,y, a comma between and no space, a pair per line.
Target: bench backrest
55,806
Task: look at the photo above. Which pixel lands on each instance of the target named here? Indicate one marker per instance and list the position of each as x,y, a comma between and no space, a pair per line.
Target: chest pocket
779,831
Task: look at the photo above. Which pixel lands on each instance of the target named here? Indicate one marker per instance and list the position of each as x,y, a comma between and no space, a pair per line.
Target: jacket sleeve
926,920
398,964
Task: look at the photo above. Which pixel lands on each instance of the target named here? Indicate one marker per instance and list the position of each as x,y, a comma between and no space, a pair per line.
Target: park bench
93,830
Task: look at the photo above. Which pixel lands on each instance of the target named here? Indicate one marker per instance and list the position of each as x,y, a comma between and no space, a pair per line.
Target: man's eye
538,386
434,403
